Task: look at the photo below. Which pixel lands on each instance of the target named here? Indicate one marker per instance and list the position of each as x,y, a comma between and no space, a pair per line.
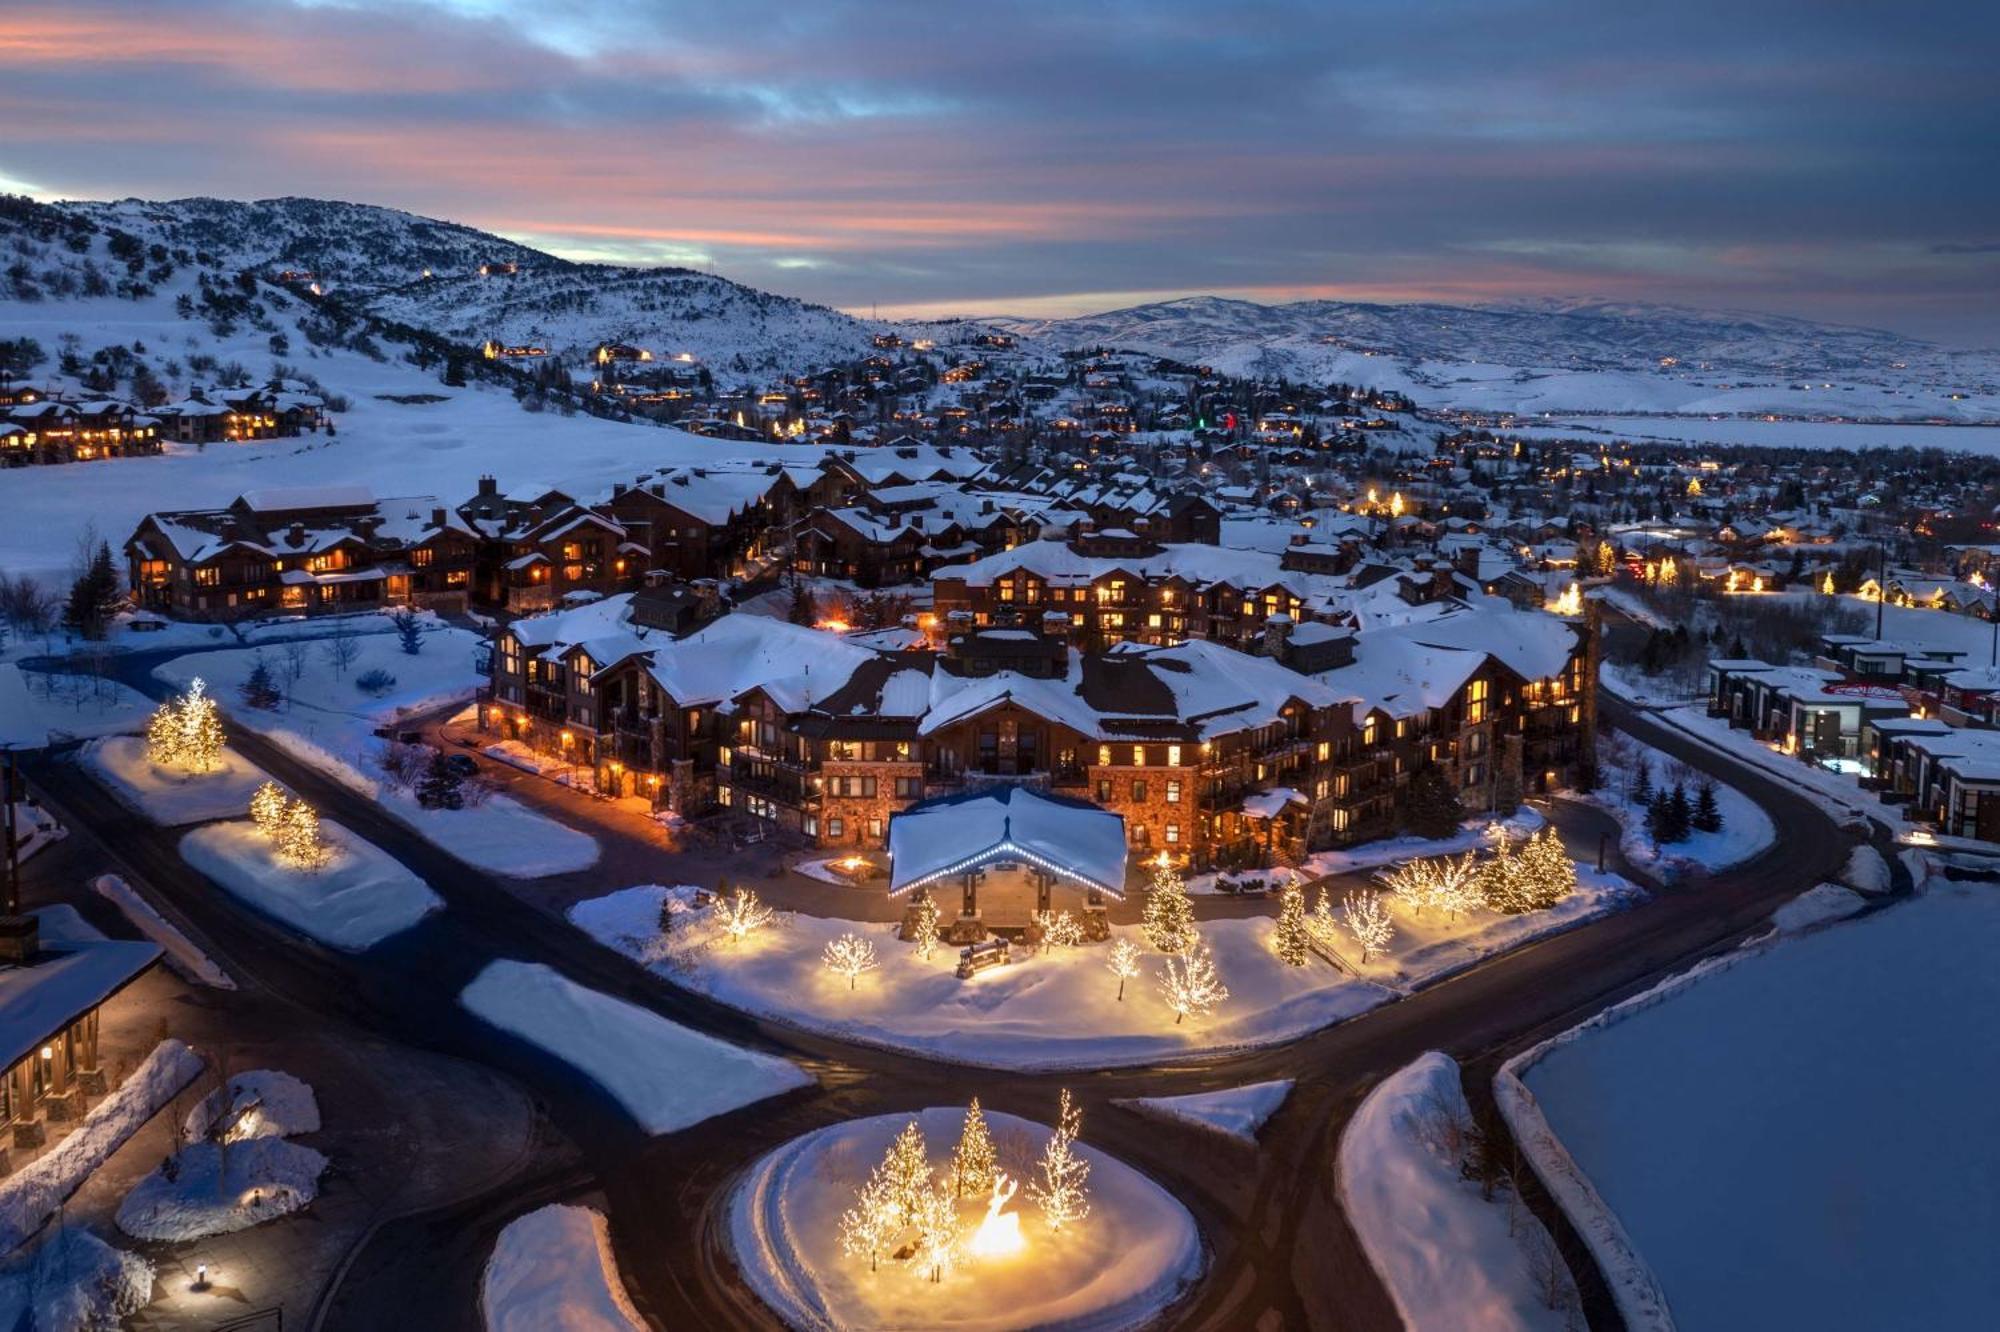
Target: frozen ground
330,724
218,1190
73,1282
1119,1267
1452,1260
553,1271
1057,1009
665,1075
353,902
32,1193
172,796
1799,1135
1235,1112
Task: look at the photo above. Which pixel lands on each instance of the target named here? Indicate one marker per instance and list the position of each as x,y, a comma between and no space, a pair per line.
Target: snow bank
1746,829
1816,906
218,1190
31,1194
666,1076
1866,871
187,960
1449,1258
171,797
73,1282
1797,1134
1119,1267
353,902
262,1103
1236,1112
553,1271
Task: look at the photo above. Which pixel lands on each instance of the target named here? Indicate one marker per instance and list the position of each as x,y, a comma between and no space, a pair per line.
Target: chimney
488,486
298,535
707,597
617,488
437,517
1278,636
1056,626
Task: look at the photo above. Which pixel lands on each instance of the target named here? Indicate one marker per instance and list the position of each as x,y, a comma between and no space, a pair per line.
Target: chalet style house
278,410
1211,755
37,430
306,549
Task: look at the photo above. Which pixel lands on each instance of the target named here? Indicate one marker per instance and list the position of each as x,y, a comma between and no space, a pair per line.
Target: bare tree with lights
1368,921
1123,963
1191,984
850,955
1061,1191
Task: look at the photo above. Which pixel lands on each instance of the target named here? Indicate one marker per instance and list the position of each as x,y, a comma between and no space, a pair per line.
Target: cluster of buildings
38,428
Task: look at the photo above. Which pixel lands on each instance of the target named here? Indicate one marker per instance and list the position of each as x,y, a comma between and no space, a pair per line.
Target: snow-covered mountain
428,274
1560,355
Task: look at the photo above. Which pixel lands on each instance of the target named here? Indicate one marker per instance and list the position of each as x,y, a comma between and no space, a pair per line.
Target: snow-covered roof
69,977
1073,839
307,497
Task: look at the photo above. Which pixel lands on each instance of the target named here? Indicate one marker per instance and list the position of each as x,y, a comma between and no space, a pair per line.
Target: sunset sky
1808,157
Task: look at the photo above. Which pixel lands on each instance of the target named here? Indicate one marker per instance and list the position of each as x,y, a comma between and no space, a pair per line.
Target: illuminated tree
1291,938
936,1220
267,809
1368,921
1061,1191
1059,929
741,915
1169,919
874,1221
1445,883
186,730
924,926
1547,874
907,1170
300,846
1191,984
1322,926
1123,963
1502,879
849,956
972,1163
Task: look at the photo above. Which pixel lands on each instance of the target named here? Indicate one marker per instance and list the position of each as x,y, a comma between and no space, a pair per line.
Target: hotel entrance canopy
1071,840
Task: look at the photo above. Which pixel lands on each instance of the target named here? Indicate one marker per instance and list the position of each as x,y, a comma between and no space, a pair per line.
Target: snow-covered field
1452,1260
1118,1267
1797,1135
171,797
43,705
330,725
1234,1112
553,1271
353,902
1471,836
1783,434
1057,1009
665,1075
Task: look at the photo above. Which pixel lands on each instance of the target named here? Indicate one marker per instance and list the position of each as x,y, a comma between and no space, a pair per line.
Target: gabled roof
1072,839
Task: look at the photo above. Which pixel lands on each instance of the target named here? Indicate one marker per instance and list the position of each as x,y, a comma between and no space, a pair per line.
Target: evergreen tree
1430,807
1659,818
1169,919
804,608
439,787
1707,814
1642,784
409,631
1290,940
260,690
907,1168
1681,814
972,1163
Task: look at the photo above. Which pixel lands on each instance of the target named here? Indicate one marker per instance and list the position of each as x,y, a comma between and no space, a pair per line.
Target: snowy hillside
1573,356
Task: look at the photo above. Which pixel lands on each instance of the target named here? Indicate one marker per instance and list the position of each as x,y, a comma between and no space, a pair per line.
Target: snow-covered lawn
356,900
1235,1112
1746,829
553,1271
73,1282
172,796
1452,1260
1471,836
1796,1135
37,704
218,1190
31,1194
187,960
1119,1267
1429,946
1057,1010
665,1075
330,725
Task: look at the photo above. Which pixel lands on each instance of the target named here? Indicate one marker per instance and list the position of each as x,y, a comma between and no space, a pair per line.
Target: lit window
1139,755
1173,756
1104,756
